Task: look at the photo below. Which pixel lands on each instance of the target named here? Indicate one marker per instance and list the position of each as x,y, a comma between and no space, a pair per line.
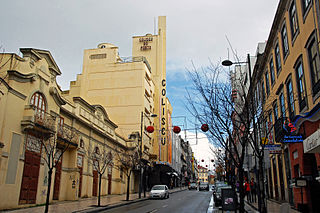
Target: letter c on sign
163,131
163,82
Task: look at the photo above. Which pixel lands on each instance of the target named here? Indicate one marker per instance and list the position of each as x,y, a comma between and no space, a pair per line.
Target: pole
140,155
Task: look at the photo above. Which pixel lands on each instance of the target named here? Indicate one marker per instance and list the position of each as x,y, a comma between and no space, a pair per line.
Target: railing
68,133
34,117
44,119
136,59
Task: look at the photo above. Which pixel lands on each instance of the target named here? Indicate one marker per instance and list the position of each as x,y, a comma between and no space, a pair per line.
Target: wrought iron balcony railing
37,120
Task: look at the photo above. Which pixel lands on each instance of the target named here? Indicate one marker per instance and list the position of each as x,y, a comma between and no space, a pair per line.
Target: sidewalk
272,206
89,204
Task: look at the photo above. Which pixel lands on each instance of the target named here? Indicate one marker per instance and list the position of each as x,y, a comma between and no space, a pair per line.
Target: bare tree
127,161
210,102
100,160
52,143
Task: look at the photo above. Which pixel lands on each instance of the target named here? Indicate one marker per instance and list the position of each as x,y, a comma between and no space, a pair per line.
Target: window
314,64
305,5
293,20
97,151
81,143
272,71
290,99
270,117
282,106
38,101
302,93
267,83
284,36
270,128
275,111
278,59
263,92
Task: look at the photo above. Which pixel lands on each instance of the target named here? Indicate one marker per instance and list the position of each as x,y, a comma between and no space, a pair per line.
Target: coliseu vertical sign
163,112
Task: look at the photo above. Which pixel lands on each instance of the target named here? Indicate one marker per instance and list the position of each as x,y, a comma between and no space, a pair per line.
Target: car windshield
193,184
158,188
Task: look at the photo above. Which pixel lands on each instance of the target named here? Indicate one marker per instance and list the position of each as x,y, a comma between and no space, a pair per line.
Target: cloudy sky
196,31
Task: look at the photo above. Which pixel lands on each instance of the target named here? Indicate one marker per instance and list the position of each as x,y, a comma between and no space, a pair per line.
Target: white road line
210,209
164,206
155,210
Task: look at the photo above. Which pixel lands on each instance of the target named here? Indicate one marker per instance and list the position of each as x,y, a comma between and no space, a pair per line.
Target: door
95,183
283,197
30,176
109,179
57,178
80,163
275,179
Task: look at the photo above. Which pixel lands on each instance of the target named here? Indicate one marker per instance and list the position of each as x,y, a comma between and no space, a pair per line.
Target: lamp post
140,152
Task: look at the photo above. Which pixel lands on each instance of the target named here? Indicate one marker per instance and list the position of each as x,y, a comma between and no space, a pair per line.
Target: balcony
38,121
67,135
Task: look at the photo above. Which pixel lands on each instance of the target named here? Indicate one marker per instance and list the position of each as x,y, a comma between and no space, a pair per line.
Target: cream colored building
33,109
128,87
108,104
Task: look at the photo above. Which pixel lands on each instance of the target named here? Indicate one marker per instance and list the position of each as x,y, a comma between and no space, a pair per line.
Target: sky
201,148
197,32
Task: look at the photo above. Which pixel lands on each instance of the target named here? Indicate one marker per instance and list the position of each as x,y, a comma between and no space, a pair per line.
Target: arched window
81,143
39,101
97,151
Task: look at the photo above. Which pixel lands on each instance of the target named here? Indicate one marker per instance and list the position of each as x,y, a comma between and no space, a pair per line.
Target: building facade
289,85
37,120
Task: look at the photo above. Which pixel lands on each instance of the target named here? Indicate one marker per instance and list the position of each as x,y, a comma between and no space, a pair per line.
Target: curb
252,206
99,209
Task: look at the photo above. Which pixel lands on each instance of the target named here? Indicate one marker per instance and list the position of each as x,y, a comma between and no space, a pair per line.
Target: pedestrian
247,190
253,187
237,186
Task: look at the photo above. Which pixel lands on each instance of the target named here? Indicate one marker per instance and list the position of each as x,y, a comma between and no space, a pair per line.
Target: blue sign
292,139
274,148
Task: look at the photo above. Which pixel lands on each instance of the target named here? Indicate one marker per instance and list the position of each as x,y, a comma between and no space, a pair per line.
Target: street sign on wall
274,148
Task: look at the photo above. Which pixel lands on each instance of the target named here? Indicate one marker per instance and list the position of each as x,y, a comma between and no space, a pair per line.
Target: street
185,201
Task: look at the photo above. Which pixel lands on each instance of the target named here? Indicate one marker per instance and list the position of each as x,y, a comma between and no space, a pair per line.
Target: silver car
159,191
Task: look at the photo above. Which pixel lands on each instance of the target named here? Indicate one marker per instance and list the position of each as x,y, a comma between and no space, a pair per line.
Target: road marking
164,206
155,210
210,209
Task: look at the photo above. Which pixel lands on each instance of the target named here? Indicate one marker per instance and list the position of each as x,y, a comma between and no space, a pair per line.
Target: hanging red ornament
204,127
176,129
202,160
150,129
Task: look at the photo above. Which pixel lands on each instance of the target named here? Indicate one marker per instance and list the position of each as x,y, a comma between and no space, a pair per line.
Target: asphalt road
185,201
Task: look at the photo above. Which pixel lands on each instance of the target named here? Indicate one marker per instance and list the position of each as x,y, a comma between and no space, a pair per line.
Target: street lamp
140,152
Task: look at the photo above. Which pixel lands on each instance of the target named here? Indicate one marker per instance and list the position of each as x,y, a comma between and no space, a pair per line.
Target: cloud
195,29
200,145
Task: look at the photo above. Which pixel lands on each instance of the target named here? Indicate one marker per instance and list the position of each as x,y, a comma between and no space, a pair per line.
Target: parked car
217,195
203,186
193,185
159,191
